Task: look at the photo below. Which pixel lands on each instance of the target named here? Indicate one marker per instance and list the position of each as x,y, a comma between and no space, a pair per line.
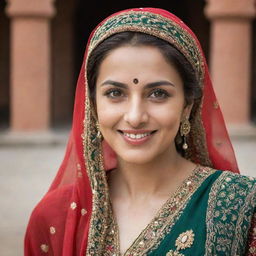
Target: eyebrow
148,86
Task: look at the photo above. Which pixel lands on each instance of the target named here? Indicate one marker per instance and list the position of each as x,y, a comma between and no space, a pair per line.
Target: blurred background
42,45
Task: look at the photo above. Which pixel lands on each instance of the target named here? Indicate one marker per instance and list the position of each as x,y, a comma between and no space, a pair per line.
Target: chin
139,158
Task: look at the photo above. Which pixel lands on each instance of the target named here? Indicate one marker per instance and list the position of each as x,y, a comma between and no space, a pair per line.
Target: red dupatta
73,216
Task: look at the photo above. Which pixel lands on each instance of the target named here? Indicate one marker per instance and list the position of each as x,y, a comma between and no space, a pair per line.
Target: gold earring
184,131
99,135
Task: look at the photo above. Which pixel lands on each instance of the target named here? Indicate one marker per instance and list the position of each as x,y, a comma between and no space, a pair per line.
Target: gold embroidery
152,235
73,205
156,25
215,104
101,221
174,253
184,241
83,212
252,250
230,207
52,230
44,248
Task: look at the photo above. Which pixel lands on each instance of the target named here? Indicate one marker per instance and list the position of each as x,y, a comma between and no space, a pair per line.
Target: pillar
30,76
230,63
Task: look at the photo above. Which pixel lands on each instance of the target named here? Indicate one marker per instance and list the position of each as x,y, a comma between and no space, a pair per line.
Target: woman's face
140,102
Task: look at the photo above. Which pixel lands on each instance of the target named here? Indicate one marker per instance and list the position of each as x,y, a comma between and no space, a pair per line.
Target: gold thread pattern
231,205
101,221
168,215
44,248
185,240
73,205
52,230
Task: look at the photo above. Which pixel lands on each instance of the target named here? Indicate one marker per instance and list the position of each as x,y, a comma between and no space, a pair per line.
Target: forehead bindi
135,80
137,66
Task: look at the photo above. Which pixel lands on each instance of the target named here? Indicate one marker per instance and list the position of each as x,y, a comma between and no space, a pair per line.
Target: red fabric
55,211
252,238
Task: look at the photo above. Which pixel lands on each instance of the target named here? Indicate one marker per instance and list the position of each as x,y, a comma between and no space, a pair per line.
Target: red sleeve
37,240
252,238
46,227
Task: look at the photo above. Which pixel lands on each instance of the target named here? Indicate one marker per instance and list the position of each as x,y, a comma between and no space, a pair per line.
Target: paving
26,172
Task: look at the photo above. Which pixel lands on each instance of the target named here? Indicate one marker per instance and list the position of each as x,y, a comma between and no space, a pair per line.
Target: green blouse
210,214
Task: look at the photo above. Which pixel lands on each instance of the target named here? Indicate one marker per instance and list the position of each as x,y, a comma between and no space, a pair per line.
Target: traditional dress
211,213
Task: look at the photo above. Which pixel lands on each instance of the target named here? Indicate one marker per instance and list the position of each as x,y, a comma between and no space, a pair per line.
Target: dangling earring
184,131
99,135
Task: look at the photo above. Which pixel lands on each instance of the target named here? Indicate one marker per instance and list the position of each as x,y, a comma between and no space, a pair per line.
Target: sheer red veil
64,222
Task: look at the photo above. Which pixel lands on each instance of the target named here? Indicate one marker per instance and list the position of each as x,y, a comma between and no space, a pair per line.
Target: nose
136,114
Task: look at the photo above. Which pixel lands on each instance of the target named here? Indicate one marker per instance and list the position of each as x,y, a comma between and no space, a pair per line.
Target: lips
136,137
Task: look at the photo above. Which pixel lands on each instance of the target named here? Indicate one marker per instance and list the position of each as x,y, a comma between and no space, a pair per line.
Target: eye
114,93
159,94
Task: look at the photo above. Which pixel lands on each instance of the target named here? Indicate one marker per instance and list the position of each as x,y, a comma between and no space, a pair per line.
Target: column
30,76
231,48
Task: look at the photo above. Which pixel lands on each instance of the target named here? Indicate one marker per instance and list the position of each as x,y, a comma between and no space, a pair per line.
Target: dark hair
192,88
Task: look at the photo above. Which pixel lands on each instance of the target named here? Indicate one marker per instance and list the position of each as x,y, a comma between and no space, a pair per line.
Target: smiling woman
146,176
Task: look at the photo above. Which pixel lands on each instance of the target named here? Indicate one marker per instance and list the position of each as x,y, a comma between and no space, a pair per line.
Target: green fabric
193,218
219,214
231,205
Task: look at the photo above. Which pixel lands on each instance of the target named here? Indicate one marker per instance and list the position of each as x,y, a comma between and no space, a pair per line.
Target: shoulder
231,207
235,182
233,193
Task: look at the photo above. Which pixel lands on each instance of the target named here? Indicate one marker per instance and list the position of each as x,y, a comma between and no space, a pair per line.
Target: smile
136,137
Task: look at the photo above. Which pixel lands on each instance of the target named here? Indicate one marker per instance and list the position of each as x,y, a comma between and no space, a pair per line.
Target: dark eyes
114,93
155,94
159,94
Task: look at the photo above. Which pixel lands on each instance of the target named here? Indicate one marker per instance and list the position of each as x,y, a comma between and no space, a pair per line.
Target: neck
152,178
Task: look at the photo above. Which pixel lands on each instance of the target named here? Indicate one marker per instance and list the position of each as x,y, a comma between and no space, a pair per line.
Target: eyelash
164,94
111,91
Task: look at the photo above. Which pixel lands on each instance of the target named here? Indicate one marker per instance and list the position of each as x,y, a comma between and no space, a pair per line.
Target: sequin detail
229,194
83,211
52,230
185,240
44,248
73,205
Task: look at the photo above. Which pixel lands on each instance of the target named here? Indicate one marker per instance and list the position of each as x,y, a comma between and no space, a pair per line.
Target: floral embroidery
153,234
83,211
52,230
153,24
184,240
73,205
230,208
252,238
101,221
44,248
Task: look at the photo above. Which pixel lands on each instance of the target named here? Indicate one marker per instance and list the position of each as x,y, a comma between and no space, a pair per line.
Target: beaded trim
230,209
159,26
156,25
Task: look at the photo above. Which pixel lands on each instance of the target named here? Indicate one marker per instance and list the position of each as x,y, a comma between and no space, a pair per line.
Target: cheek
168,116
108,115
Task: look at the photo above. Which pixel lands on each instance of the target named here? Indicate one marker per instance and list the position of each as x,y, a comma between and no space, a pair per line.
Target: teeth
136,136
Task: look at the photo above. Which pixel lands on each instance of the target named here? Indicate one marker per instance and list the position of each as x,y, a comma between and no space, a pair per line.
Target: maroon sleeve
252,238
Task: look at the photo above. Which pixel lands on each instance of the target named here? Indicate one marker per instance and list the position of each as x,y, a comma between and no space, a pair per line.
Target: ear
187,111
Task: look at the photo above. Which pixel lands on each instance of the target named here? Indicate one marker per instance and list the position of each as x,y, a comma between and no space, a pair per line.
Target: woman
145,176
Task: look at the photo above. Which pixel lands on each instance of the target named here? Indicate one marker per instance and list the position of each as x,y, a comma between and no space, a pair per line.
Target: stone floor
27,171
